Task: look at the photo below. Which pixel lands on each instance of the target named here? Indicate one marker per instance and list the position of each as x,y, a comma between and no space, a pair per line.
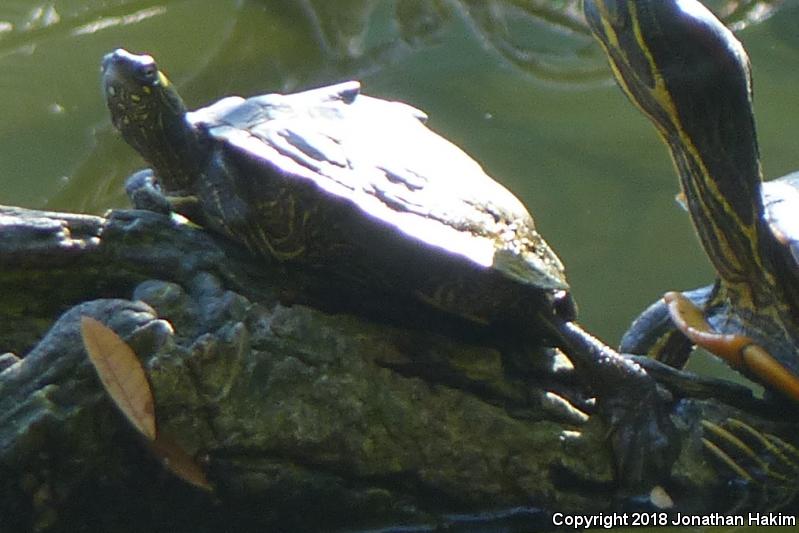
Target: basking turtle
352,186
691,77
359,191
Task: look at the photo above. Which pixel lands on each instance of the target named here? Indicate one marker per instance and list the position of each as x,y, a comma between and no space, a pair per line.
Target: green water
559,134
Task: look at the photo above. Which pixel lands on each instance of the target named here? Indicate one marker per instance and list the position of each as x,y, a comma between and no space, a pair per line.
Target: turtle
691,77
351,172
358,191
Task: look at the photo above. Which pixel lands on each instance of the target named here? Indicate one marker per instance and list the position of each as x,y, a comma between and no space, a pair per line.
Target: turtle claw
144,193
637,412
643,436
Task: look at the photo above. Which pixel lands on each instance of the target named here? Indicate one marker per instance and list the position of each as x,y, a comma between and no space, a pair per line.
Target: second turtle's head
677,62
150,114
691,77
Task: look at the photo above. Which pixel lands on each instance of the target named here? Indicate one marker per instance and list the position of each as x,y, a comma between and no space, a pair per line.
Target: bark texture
302,418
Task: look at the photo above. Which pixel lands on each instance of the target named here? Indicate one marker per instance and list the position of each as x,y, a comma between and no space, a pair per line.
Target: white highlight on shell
358,147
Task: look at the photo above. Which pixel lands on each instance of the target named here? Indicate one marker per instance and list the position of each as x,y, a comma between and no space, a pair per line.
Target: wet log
302,418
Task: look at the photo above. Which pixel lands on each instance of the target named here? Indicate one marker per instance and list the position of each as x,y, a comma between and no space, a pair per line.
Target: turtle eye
149,73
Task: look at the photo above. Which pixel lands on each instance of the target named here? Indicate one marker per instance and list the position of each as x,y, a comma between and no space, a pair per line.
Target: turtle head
691,77
148,111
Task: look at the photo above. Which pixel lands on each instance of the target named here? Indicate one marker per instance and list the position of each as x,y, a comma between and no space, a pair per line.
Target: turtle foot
144,193
637,412
643,437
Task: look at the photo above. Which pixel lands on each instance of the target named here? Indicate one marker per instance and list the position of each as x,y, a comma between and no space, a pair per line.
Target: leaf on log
179,462
121,373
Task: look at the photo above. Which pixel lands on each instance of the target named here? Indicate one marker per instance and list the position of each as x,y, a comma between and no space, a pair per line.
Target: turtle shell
338,180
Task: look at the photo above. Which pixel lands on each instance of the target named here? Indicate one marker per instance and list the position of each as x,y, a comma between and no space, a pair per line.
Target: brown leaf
121,373
179,462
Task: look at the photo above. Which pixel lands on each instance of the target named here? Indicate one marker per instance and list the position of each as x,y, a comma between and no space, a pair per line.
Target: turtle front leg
643,436
144,193
740,352
654,334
